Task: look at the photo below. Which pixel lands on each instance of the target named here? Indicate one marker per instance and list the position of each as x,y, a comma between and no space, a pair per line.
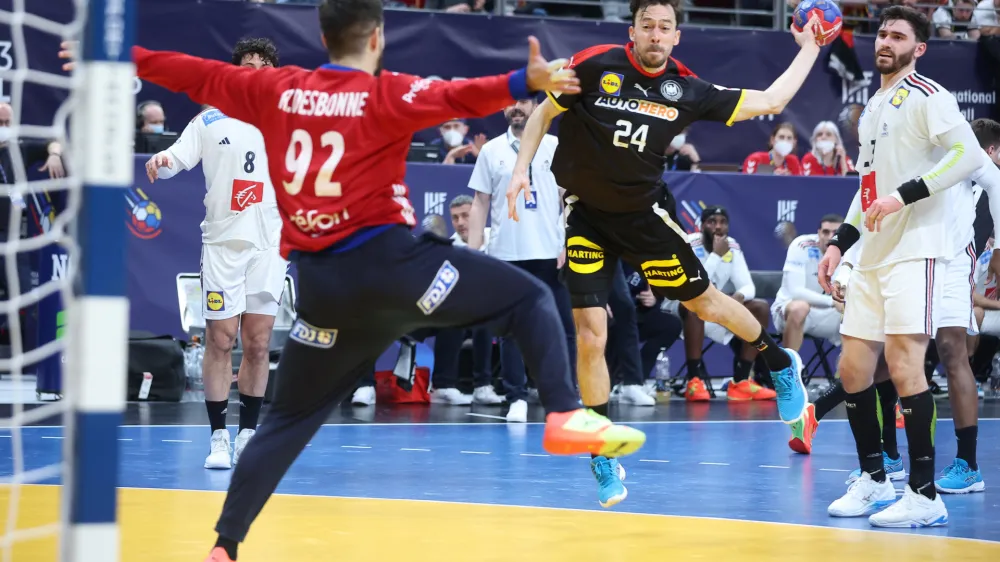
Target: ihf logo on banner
434,202
786,210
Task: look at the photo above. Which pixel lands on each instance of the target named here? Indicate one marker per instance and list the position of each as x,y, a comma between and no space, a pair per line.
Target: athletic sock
228,545
920,413
967,445
693,368
831,397
217,414
887,398
776,358
741,370
249,411
600,409
862,413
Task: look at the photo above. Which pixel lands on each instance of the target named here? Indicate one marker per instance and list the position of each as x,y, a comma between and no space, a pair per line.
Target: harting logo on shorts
664,273
440,288
583,255
307,334
215,301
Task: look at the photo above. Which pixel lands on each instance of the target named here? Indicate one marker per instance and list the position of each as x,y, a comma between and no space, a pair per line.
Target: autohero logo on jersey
641,107
439,289
664,273
584,256
315,222
245,194
611,83
307,334
215,301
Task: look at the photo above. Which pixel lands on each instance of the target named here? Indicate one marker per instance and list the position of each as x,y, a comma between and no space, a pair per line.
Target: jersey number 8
299,157
638,139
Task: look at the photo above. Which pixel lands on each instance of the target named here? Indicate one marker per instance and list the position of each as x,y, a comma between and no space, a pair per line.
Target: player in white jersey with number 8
915,144
242,272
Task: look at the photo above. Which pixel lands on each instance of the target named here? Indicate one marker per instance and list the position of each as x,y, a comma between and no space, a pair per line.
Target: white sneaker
518,412
636,395
912,511
452,396
649,387
364,396
219,458
242,438
864,496
486,395
616,394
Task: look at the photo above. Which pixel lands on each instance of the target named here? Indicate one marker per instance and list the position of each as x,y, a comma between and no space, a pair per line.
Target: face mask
825,146
452,137
678,141
4,134
156,129
783,148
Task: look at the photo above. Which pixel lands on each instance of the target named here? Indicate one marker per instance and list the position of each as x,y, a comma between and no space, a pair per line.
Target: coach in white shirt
534,244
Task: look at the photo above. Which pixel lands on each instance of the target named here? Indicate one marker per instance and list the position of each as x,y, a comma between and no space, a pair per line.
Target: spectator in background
460,208
150,118
681,155
658,330
456,6
779,159
534,244
827,157
801,307
955,20
622,350
985,16
727,268
454,147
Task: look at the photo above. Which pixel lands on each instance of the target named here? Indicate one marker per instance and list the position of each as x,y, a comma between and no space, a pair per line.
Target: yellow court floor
171,525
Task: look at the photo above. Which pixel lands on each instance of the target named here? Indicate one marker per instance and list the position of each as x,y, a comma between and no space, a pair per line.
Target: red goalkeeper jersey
336,137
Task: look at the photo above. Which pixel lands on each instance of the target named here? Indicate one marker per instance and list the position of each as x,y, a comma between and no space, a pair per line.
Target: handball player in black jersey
612,140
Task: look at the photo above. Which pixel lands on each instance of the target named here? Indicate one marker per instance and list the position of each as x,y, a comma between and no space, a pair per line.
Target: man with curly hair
242,272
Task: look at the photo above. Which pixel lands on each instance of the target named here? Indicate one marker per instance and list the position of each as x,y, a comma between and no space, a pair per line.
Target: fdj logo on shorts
584,256
307,334
215,301
440,288
664,273
611,83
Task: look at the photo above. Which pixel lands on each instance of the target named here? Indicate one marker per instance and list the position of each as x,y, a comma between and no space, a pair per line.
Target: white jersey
899,134
802,262
240,202
728,273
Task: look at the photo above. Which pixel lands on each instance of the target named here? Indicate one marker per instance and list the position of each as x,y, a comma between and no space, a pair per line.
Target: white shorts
991,323
236,277
900,298
956,298
820,322
715,332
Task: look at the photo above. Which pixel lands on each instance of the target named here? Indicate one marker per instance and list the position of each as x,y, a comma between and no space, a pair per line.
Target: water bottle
993,390
662,370
193,356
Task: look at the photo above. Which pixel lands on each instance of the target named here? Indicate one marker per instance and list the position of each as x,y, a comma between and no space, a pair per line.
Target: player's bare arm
153,165
776,97
534,130
845,237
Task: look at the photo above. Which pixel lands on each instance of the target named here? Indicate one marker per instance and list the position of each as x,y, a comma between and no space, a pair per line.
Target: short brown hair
347,24
639,6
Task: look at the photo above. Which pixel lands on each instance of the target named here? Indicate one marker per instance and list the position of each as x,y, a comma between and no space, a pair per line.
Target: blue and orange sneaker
792,395
585,431
803,431
959,478
610,474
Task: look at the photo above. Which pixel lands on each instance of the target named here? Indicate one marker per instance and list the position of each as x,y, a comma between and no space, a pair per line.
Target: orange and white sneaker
586,431
803,431
696,391
746,390
218,555
900,422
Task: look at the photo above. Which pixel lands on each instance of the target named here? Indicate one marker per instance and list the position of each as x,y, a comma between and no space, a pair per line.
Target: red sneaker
586,431
803,431
696,391
746,390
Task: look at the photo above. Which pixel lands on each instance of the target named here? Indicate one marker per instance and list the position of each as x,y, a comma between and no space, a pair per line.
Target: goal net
63,310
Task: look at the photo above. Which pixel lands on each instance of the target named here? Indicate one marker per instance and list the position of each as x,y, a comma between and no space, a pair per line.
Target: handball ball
830,20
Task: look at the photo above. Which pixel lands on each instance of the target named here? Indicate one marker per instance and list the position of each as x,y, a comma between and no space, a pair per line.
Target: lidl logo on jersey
611,83
246,194
434,202
439,289
144,217
786,210
899,97
641,107
307,334
215,301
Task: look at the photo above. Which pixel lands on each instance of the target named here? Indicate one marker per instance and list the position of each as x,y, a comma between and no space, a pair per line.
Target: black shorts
650,241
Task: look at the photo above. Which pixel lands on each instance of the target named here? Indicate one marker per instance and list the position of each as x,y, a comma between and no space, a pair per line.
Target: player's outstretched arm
775,98
534,130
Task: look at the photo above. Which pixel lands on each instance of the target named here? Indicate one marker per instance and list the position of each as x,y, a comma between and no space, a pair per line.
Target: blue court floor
723,469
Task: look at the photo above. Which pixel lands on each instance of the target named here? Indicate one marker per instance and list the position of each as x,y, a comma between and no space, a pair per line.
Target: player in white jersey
910,126
242,273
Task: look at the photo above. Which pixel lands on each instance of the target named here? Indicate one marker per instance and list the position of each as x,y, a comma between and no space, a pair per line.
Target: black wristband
913,191
845,237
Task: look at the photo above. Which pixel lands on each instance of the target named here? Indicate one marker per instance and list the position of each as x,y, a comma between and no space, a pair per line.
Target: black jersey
614,134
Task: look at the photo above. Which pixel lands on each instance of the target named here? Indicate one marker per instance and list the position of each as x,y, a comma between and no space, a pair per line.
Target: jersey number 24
638,138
